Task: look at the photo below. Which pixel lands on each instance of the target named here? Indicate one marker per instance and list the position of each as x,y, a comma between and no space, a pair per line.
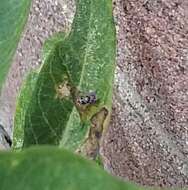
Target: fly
90,98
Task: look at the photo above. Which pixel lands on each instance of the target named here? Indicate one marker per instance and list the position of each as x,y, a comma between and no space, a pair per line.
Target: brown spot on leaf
63,90
92,144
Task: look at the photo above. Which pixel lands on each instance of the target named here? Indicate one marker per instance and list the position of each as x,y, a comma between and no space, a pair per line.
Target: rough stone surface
148,137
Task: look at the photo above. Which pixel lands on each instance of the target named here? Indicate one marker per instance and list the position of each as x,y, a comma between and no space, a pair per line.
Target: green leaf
45,168
81,63
51,43
21,107
13,15
26,92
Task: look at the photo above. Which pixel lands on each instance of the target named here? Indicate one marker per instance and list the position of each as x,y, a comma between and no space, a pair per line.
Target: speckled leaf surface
45,168
81,63
13,15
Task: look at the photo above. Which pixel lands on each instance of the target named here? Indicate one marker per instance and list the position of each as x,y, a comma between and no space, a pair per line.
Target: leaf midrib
83,68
